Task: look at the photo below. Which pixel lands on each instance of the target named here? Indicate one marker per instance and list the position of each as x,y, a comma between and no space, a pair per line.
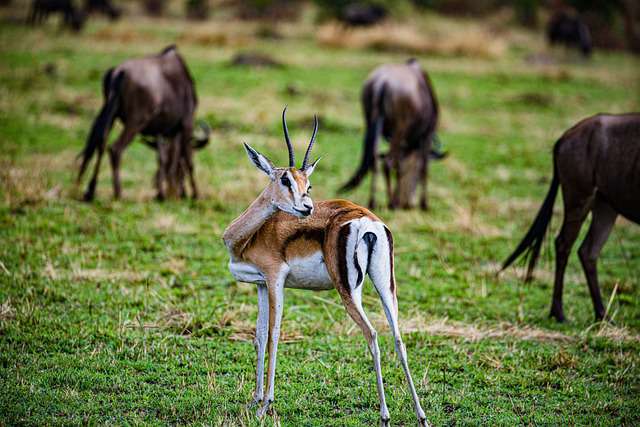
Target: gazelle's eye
285,181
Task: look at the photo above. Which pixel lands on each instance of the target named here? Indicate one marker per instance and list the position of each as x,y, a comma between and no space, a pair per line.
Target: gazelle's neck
240,231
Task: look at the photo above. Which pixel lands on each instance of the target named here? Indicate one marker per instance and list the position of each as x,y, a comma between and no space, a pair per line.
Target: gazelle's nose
309,209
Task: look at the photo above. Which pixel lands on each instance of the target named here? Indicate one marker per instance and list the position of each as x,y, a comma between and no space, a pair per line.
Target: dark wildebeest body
41,9
105,7
399,103
154,96
569,30
597,165
362,15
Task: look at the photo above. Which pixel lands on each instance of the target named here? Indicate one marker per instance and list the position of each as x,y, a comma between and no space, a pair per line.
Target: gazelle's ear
260,161
309,170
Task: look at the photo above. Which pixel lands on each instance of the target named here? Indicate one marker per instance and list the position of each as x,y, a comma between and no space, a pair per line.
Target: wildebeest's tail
532,241
371,137
102,124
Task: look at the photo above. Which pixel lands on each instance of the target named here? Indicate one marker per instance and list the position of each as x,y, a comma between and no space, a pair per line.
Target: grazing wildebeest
105,7
597,164
569,30
41,9
154,96
173,175
362,14
400,104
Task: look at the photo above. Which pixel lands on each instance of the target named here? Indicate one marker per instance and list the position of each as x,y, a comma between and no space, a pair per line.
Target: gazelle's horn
313,139
292,158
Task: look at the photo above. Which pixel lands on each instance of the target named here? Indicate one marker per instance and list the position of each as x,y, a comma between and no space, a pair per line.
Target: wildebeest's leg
395,153
603,217
32,13
91,189
424,173
182,189
386,170
374,178
172,173
163,165
574,215
187,151
115,153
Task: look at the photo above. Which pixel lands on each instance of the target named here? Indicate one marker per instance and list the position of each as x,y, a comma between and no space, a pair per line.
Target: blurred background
124,311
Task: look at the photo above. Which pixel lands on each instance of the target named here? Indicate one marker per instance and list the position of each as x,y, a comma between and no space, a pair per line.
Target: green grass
125,313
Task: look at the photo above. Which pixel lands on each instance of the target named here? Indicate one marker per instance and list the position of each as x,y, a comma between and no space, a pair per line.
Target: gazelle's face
291,191
289,188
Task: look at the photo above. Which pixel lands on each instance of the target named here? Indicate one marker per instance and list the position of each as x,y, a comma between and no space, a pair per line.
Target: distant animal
597,165
154,96
399,103
285,240
362,14
41,9
569,30
200,139
105,7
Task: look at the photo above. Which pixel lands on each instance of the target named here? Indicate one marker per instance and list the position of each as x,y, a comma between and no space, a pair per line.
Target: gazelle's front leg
275,288
262,329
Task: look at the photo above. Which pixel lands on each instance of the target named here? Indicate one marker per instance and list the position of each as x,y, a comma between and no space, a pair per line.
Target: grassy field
125,313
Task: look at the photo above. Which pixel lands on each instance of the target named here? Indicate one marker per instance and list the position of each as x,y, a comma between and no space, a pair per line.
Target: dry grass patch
122,34
29,182
612,332
7,312
220,34
169,223
543,272
503,330
418,323
98,274
471,41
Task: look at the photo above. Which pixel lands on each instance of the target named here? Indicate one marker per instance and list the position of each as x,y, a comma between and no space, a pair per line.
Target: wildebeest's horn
313,139
292,158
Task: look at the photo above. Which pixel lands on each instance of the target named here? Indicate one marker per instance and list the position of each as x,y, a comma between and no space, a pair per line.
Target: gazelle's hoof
254,402
262,411
384,422
422,422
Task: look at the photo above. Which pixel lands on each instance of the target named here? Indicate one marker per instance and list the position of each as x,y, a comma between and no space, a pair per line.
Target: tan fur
275,243
300,179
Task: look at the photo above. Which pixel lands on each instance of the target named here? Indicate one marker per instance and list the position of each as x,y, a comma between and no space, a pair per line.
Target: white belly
246,272
309,273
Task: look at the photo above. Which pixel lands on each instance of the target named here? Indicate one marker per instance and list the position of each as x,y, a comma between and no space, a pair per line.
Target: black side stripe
370,239
358,269
392,285
343,237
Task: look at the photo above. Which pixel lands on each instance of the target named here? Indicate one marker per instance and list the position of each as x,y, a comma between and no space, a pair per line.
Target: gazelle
284,240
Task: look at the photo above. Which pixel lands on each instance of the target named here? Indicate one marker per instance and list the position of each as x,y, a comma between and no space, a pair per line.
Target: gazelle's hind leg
380,270
353,304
